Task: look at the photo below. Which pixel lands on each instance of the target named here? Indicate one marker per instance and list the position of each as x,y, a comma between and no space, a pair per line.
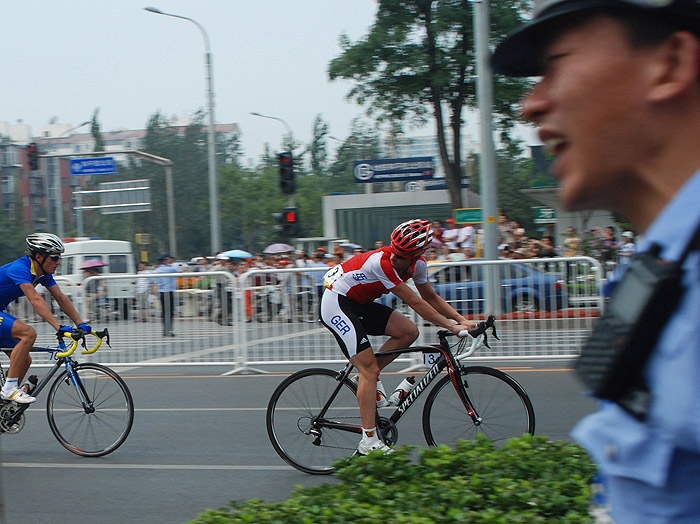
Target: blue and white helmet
45,243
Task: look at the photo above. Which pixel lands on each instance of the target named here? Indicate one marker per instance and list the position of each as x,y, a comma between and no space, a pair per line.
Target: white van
119,259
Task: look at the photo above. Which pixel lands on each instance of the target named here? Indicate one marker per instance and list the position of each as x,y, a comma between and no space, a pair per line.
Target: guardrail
547,307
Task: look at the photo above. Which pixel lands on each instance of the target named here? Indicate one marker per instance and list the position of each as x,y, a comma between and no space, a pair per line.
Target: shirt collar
674,227
31,265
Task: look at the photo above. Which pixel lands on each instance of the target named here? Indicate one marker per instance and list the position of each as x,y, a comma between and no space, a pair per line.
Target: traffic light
287,173
33,152
290,222
279,227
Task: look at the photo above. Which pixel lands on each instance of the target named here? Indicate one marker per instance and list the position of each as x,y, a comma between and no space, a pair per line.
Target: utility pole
487,172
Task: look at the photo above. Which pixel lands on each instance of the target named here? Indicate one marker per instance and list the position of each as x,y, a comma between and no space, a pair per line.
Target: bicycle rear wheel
502,404
300,437
101,426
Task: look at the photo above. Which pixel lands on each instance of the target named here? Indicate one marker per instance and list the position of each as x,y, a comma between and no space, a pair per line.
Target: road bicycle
89,406
313,418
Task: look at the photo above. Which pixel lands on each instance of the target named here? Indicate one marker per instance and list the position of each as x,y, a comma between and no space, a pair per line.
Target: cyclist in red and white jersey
348,310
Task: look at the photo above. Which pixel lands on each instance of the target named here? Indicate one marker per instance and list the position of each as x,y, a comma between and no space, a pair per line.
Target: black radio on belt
613,358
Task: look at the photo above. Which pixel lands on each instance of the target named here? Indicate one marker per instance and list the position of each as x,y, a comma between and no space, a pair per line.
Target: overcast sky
64,59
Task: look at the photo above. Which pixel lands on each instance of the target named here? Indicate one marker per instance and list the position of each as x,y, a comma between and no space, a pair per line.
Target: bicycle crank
7,412
389,431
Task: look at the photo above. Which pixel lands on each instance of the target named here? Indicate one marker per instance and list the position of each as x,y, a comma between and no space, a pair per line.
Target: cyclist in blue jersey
19,278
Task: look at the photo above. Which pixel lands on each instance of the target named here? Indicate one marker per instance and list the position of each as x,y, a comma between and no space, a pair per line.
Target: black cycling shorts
351,322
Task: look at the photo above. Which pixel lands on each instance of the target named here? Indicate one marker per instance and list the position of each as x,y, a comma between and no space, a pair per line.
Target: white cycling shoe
364,449
17,395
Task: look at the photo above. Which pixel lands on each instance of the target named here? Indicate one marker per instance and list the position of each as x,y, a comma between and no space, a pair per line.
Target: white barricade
545,309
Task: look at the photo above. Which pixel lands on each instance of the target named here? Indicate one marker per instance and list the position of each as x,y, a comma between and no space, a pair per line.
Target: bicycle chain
336,447
391,428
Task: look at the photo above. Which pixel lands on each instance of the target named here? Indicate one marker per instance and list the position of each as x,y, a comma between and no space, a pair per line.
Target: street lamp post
292,201
213,188
487,165
55,171
285,124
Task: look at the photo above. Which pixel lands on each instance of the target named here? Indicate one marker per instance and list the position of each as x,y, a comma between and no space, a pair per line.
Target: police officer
618,105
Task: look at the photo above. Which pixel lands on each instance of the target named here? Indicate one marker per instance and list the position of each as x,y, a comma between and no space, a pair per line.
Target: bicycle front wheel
300,436
92,414
501,404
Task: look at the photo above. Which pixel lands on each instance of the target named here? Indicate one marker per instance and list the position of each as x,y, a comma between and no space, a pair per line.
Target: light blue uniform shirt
621,445
165,285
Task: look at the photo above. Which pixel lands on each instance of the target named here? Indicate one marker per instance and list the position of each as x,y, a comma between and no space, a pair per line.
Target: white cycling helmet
45,243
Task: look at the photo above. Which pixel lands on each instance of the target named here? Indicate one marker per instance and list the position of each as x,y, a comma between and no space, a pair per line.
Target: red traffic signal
290,222
286,164
33,153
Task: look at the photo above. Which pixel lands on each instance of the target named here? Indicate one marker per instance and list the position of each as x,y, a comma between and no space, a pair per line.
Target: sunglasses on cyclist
55,258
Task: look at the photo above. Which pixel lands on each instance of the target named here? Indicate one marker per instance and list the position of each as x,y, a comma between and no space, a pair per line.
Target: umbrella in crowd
93,262
273,249
237,253
349,246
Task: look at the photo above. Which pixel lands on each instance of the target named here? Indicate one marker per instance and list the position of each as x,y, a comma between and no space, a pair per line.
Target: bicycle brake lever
493,332
486,340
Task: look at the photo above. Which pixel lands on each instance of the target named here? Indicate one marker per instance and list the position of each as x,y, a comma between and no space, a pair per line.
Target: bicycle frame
66,362
446,360
89,407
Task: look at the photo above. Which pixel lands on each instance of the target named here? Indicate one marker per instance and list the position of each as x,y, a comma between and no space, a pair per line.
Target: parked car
524,288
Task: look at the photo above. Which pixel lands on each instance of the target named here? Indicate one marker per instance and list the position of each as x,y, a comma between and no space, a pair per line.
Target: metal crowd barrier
546,309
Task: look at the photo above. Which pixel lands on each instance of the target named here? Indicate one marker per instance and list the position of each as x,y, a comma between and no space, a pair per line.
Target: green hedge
529,480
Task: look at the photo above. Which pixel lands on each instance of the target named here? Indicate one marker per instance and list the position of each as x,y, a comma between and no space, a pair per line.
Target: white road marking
190,467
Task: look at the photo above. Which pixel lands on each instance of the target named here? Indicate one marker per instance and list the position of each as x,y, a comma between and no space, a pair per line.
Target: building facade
45,196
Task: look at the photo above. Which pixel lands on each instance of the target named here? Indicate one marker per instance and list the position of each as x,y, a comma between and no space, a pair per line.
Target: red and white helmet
412,237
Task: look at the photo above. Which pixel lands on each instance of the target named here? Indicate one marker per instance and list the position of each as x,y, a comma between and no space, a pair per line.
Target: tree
187,149
248,198
363,143
318,149
228,150
12,245
418,60
96,133
514,174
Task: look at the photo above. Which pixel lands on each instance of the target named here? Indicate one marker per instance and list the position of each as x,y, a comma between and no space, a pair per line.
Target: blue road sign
393,169
103,165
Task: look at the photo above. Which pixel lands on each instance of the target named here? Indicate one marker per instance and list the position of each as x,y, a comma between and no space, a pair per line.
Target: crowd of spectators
452,243
601,244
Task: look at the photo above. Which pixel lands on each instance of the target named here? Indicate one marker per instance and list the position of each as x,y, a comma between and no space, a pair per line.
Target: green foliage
12,244
248,198
188,151
513,175
418,60
318,150
529,480
363,143
14,230
96,133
